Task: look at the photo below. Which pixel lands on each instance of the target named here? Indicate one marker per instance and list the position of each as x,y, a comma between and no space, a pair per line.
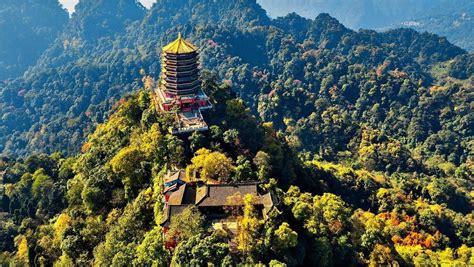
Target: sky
69,4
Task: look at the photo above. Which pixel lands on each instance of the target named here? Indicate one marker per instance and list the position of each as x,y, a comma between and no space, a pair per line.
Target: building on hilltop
179,90
219,203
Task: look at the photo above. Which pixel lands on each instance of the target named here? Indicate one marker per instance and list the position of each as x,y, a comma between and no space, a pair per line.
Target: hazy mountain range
27,25
450,18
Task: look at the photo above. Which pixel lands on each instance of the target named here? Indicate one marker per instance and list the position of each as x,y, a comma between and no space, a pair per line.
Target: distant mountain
456,22
27,28
94,19
92,22
450,18
368,14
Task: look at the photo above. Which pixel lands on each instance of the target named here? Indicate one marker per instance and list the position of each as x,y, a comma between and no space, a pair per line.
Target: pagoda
179,89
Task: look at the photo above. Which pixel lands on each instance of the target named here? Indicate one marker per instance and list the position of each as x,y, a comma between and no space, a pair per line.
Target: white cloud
148,3
70,4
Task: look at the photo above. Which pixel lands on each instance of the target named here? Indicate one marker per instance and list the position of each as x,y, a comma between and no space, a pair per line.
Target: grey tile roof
214,195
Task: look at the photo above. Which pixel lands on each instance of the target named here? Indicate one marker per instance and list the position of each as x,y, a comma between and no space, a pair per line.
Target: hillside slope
27,28
104,205
322,84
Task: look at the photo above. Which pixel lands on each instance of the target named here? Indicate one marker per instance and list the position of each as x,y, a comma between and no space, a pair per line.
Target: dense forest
102,207
365,137
311,78
368,14
450,18
27,28
456,22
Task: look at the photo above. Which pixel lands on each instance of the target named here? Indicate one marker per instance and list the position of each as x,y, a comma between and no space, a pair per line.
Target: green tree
123,237
41,183
151,252
248,237
285,237
200,250
231,137
127,165
196,140
262,161
186,224
243,170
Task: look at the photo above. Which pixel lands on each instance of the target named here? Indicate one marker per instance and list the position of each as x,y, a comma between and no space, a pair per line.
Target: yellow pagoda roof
180,46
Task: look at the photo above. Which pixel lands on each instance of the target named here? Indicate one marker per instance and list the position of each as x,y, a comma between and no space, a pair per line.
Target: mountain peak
27,28
97,18
241,13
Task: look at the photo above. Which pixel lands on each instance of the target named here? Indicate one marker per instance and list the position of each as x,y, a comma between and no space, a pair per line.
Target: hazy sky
69,4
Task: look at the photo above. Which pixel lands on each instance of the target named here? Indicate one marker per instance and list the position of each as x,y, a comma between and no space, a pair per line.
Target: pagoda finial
179,35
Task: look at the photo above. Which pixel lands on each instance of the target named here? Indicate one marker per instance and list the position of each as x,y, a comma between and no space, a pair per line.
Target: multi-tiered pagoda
179,89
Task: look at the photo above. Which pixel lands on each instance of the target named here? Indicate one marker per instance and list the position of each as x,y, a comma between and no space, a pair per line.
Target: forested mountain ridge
27,28
52,91
91,22
455,21
312,67
446,18
356,14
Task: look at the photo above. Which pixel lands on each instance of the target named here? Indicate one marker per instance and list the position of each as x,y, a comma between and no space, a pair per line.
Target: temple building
179,92
213,200
179,89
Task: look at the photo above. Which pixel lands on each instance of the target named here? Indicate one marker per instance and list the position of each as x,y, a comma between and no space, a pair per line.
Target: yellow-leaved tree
249,226
210,165
22,254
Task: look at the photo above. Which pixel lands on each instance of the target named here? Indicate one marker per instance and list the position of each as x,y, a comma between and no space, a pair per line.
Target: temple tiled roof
180,46
175,175
176,198
211,196
227,195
